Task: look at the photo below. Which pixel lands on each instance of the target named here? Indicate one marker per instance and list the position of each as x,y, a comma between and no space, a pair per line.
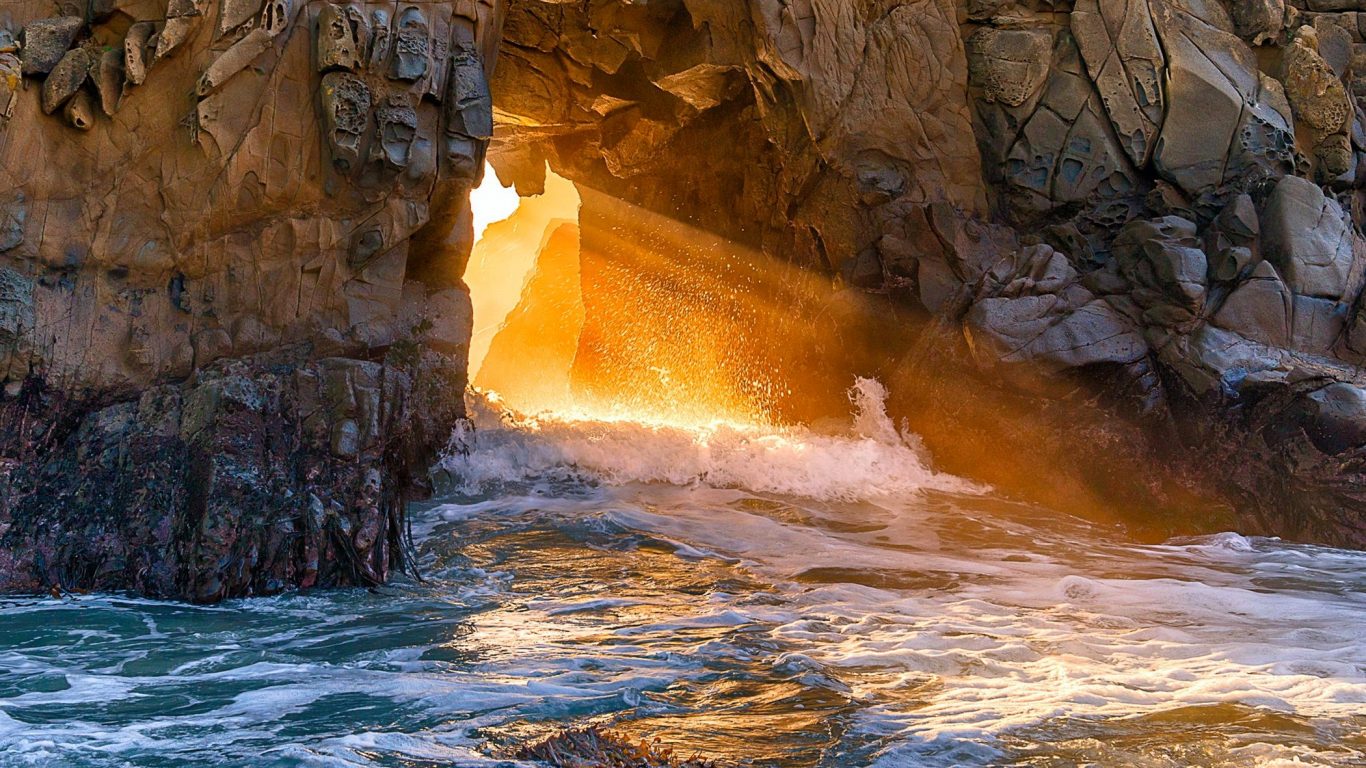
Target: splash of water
873,459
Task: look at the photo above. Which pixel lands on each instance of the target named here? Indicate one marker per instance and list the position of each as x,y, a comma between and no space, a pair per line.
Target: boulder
1260,309
1336,418
1042,331
1163,261
1319,324
1320,103
1225,121
1308,237
46,41
66,79
1258,21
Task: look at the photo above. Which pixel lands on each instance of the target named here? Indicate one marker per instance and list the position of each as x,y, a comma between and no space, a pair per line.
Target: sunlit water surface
770,598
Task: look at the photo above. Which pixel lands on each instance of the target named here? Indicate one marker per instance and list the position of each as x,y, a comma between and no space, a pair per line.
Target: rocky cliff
232,329
232,232
1130,230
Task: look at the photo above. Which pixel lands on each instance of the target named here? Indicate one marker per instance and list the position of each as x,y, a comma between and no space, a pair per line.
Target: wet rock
1308,237
258,497
1336,420
46,41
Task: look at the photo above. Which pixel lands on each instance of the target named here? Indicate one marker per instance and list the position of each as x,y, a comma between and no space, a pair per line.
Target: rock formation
1150,205
232,234
232,330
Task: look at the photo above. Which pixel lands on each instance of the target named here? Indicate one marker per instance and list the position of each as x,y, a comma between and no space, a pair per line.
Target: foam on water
781,595
873,460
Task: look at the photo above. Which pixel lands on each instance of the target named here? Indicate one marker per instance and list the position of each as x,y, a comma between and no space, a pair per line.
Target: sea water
756,595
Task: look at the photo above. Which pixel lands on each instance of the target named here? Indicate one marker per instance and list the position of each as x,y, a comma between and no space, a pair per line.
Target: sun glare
615,313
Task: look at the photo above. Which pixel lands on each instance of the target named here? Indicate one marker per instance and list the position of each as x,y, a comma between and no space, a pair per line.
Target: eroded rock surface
1134,223
1157,202
226,354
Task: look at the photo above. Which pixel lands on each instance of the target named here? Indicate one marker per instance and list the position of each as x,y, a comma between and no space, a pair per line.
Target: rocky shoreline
232,235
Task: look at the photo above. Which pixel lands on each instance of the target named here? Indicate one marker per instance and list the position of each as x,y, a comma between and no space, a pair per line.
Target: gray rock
410,59
1337,418
1066,151
346,101
1260,309
1308,237
1225,121
1120,44
1216,360
1318,325
395,131
46,41
1162,259
1042,330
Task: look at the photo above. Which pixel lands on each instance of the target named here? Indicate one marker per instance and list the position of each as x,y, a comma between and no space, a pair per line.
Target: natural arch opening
753,236
586,303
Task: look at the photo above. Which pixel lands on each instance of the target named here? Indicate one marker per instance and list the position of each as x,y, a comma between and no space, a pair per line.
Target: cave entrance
586,303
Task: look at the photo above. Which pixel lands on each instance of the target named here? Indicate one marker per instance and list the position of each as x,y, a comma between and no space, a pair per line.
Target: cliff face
231,323
232,327
1131,225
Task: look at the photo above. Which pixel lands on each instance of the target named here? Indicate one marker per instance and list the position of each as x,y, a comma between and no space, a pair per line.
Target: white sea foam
632,561
874,460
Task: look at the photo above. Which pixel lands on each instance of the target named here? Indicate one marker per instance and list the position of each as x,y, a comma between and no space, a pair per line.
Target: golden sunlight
510,232
611,312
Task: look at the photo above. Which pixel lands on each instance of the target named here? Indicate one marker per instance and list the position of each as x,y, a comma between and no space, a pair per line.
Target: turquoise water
771,599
